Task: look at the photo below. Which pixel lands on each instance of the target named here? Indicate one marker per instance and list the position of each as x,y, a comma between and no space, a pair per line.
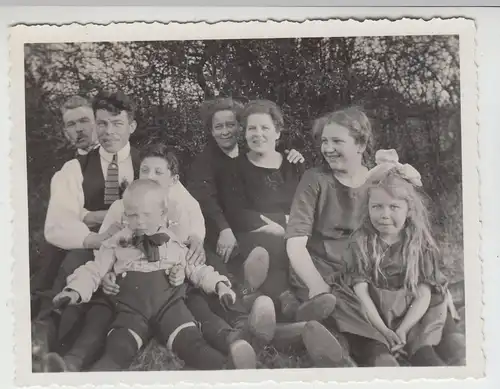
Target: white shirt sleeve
114,215
87,278
196,219
64,226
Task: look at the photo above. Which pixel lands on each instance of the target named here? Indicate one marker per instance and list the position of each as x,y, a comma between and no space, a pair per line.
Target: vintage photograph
242,203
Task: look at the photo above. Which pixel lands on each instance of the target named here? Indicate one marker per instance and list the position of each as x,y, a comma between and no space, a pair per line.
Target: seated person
143,256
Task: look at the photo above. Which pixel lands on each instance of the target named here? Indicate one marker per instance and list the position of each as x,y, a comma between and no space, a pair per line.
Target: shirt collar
121,156
86,151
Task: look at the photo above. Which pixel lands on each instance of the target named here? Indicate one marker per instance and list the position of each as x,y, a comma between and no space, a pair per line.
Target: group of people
338,260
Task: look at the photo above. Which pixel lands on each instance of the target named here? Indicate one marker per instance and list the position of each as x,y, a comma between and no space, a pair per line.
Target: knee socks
190,346
121,348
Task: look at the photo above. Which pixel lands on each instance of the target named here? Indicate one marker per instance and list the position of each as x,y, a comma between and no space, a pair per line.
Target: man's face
80,126
113,130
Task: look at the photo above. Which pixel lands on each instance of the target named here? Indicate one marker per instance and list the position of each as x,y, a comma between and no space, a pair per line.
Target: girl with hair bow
393,265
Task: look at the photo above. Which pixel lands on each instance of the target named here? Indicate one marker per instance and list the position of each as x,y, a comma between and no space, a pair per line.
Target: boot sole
318,308
262,319
256,267
242,355
323,348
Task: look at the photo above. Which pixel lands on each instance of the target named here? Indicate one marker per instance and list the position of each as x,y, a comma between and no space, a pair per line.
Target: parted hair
75,102
266,107
353,118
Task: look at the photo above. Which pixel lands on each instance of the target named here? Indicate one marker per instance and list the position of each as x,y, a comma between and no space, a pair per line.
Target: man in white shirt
83,190
79,129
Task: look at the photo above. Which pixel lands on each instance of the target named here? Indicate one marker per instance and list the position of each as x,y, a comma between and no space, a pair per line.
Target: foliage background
408,85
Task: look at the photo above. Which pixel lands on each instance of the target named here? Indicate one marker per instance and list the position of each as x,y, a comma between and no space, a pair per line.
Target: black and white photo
260,199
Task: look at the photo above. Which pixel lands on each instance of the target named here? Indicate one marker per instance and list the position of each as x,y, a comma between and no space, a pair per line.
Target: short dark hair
263,106
114,102
210,107
75,102
162,151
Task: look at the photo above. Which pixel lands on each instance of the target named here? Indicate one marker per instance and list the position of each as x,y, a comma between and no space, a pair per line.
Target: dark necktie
149,244
112,186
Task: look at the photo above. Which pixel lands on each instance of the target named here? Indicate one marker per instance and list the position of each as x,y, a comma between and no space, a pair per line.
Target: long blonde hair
417,240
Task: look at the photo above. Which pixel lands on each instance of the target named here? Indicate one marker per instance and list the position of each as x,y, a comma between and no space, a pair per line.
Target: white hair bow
388,159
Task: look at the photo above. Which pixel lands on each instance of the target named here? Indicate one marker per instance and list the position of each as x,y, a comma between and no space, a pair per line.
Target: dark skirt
349,315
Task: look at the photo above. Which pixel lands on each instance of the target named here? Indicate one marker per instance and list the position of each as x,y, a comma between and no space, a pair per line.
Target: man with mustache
85,187
79,129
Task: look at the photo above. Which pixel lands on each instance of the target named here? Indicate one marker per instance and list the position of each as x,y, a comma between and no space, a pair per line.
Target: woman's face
156,169
261,133
225,129
339,148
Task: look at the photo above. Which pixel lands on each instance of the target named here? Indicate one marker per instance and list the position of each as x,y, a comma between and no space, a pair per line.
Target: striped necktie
112,186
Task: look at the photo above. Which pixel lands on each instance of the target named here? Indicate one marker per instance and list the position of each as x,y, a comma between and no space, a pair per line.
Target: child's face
338,146
225,129
261,133
145,214
387,213
156,169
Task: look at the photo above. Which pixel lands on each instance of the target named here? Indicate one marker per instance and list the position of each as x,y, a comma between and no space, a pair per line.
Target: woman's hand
320,288
109,285
293,156
226,244
271,227
196,253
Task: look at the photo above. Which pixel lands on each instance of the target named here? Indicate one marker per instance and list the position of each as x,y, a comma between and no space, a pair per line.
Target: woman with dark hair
246,199
258,192
221,120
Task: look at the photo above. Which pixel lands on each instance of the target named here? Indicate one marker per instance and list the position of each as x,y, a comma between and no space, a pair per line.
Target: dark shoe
242,355
288,305
324,348
255,268
288,335
318,308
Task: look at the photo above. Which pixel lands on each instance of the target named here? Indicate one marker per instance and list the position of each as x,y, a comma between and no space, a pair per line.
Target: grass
155,357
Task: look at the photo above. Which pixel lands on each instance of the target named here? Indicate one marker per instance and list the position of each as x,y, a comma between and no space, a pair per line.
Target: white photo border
139,31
